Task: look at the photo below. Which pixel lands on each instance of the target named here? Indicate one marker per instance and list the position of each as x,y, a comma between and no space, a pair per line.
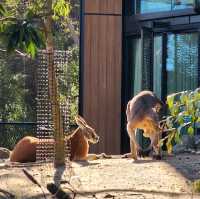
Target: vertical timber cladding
102,50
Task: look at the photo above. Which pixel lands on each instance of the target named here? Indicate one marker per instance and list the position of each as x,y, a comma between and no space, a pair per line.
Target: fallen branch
7,194
18,52
33,180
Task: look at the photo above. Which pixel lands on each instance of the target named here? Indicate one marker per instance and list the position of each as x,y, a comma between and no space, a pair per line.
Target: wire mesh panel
17,98
63,74
44,113
147,69
45,127
147,59
12,132
45,118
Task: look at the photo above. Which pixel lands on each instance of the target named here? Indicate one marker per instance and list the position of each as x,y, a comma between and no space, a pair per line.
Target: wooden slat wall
103,6
102,72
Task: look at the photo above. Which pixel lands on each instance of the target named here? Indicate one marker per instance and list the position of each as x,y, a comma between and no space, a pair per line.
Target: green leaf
61,8
169,142
175,109
191,95
31,49
170,101
190,131
180,117
36,37
13,41
196,186
169,147
198,119
29,15
2,10
183,97
177,137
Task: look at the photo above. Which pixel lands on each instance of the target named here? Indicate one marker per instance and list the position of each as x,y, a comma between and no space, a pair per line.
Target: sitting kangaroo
25,149
142,112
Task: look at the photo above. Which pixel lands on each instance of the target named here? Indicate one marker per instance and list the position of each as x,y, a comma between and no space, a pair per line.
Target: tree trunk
53,93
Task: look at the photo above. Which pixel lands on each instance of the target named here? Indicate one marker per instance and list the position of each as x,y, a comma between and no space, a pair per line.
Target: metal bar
19,123
163,15
81,58
173,29
24,123
164,67
199,58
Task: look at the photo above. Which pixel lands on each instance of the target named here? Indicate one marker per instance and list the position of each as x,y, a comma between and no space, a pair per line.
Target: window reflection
182,4
157,66
182,62
148,6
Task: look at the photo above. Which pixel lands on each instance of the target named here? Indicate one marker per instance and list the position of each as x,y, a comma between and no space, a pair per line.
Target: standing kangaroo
25,149
142,112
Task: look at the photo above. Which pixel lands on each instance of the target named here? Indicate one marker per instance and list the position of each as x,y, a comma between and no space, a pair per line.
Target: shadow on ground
187,165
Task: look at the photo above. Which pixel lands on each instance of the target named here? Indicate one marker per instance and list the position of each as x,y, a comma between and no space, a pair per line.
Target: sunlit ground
113,178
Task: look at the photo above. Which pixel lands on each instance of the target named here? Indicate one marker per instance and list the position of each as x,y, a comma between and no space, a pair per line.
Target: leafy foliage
196,186
22,35
17,92
184,116
26,31
2,10
22,28
61,8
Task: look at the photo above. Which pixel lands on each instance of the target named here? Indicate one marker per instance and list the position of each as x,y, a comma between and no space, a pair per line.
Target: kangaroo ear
80,121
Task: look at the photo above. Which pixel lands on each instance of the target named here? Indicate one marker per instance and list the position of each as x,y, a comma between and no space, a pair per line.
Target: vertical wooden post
53,94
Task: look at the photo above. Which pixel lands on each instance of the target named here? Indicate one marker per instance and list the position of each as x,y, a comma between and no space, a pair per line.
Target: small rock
109,196
4,153
178,148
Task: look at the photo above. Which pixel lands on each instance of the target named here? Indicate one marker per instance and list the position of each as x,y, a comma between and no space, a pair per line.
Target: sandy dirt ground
109,178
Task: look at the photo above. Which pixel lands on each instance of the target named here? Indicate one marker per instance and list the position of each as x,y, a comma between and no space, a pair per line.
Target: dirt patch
112,178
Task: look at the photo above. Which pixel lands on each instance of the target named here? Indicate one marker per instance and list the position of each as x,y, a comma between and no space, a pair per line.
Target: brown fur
142,113
79,146
25,149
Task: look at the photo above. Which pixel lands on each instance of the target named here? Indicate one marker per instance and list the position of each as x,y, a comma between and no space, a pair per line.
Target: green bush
183,116
196,186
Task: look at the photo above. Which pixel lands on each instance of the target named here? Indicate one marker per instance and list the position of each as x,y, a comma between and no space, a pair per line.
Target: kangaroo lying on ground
25,149
142,112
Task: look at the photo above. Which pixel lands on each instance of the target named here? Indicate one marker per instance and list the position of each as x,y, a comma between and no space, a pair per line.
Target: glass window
182,62
148,6
145,6
157,66
182,4
137,73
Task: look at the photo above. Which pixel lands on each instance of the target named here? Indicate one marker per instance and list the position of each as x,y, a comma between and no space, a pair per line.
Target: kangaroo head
88,131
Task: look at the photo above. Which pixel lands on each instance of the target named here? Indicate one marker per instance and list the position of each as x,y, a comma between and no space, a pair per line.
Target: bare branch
7,18
18,52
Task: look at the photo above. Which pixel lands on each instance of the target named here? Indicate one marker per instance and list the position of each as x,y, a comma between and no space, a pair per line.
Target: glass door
182,62
176,65
165,63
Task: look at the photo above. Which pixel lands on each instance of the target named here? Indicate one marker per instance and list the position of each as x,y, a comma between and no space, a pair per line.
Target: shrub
183,116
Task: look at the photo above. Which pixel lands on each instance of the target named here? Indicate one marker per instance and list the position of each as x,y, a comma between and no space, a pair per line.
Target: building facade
131,45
